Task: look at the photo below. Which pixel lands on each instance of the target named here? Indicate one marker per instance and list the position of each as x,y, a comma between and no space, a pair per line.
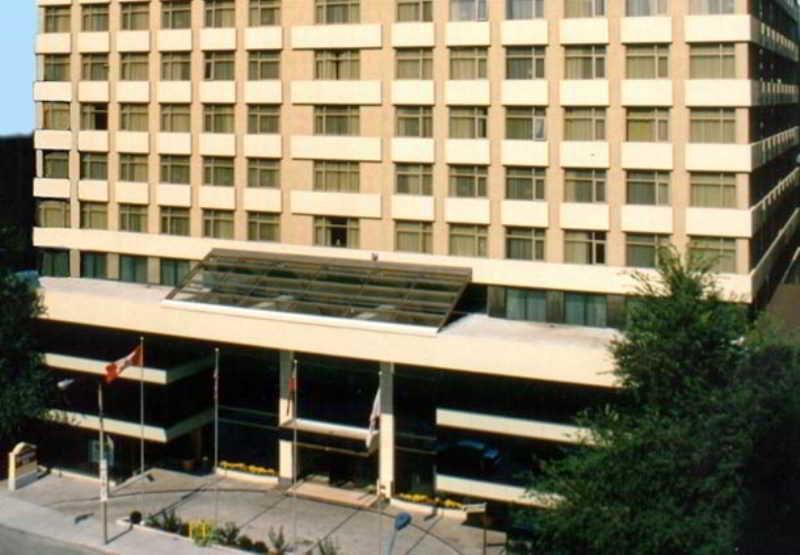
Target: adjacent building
16,201
438,202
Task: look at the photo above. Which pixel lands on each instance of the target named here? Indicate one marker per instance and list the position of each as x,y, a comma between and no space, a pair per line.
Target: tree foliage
704,433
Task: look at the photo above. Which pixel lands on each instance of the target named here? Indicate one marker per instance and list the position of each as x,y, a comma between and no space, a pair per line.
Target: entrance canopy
353,289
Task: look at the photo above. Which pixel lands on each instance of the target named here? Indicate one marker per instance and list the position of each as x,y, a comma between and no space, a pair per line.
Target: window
526,304
713,190
263,226
712,125
712,61
642,249
585,309
219,66
468,181
468,123
264,64
526,124
336,176
176,14
176,66
585,247
172,271
468,62
585,62
467,10
55,115
414,63
52,213
53,263
94,117
263,172
584,8
414,10
57,19
218,118
56,67
585,124
468,240
413,237
133,167
94,67
264,12
263,118
413,179
132,269
220,13
133,117
646,7
93,265
524,183
524,9
218,171
647,61
524,243
718,252
135,16
330,231
712,6
585,185
525,62
336,120
647,125
133,217
175,118
337,65
174,220
94,215
337,11
94,17
55,164
134,66
218,224
414,121
648,188
94,165
174,169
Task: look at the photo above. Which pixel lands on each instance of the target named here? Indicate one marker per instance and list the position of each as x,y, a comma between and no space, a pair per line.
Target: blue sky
17,28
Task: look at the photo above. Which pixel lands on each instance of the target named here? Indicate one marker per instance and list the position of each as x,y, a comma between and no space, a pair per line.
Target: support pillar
285,414
386,437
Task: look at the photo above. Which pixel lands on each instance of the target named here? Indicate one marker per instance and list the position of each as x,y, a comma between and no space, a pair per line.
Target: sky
17,29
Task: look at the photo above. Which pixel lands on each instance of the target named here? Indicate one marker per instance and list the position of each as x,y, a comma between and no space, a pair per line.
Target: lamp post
103,463
400,521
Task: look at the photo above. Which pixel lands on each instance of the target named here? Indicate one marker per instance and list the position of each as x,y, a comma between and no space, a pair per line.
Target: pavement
65,509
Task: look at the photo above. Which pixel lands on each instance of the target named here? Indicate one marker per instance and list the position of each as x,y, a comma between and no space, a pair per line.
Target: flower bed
419,502
247,472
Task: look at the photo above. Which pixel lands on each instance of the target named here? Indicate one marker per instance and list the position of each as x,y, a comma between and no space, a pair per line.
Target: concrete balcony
405,35
93,91
468,33
218,39
584,30
468,151
175,143
336,92
412,149
133,91
584,92
44,91
222,198
722,92
647,156
525,92
336,36
263,38
133,41
526,213
467,92
218,92
174,195
524,32
93,190
636,218
721,222
133,141
175,40
646,30
719,157
321,203
174,92
263,92
217,144
53,43
467,210
131,193
584,154
720,28
588,216
93,141
413,92
51,139
336,147
262,199
647,92
263,146
525,153
51,188
93,42
413,207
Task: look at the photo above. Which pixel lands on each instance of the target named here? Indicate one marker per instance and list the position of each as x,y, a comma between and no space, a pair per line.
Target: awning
366,291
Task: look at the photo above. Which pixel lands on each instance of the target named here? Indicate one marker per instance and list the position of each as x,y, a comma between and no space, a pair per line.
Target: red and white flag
373,418
134,358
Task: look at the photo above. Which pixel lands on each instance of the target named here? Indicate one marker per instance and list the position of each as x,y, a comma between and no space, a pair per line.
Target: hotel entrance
335,399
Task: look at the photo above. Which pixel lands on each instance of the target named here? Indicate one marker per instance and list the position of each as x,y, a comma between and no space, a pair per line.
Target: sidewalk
67,509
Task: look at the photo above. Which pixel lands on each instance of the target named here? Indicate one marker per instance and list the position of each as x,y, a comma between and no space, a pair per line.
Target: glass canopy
354,289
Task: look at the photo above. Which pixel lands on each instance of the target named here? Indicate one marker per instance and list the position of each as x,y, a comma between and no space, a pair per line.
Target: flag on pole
373,418
134,358
292,391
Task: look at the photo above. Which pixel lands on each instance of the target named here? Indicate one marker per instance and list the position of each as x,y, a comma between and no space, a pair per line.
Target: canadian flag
134,358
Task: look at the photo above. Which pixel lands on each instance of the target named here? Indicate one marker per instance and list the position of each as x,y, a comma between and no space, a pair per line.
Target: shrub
278,540
245,542
184,529
202,533
170,521
328,546
260,547
152,521
228,533
135,517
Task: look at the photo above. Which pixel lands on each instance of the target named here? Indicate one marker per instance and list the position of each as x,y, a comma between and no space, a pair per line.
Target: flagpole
103,464
294,453
216,433
141,405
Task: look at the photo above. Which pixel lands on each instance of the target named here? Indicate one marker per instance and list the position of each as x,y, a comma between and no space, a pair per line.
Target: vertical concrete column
285,414
386,449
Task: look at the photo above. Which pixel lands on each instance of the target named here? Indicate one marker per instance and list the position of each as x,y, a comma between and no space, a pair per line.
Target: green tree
671,467
26,389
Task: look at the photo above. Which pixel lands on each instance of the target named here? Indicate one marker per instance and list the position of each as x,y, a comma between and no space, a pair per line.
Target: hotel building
442,201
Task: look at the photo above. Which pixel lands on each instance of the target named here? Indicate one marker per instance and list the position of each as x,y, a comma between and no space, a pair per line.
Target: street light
63,385
400,521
